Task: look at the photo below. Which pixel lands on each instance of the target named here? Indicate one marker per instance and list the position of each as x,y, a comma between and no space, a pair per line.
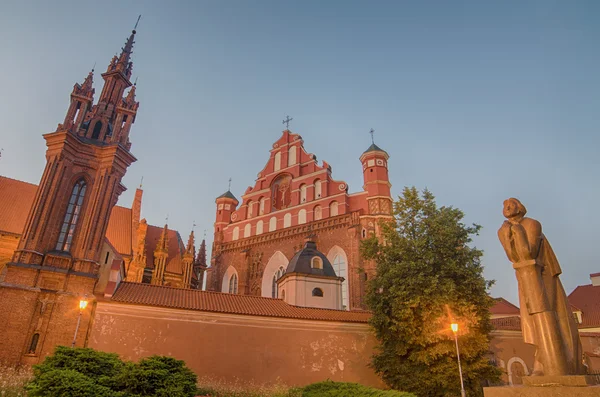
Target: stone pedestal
549,386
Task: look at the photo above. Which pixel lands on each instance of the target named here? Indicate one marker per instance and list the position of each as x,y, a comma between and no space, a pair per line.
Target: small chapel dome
309,260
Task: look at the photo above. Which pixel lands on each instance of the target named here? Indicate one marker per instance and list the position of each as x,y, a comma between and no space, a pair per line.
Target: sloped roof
176,248
301,262
227,194
587,299
504,307
16,198
189,299
374,148
119,229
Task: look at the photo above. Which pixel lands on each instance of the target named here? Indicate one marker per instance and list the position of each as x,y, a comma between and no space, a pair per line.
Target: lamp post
454,328
82,306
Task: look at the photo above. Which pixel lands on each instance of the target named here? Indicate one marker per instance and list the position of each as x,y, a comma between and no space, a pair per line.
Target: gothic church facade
292,198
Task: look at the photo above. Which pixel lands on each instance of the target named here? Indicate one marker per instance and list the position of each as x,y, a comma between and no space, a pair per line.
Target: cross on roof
229,188
372,132
287,122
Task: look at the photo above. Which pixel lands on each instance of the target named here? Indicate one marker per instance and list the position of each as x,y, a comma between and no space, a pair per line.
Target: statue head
513,208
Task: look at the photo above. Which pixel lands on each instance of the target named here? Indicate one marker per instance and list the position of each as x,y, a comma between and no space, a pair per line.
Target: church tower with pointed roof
57,260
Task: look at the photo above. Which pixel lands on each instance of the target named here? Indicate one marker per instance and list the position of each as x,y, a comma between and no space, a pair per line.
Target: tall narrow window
97,129
303,190
70,221
274,290
301,216
247,230
250,208
259,228
34,343
317,189
277,164
287,220
292,156
261,210
318,213
236,233
341,270
333,209
233,284
272,224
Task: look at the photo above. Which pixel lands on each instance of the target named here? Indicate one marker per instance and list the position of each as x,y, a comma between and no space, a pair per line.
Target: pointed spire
124,65
190,245
163,242
201,258
86,89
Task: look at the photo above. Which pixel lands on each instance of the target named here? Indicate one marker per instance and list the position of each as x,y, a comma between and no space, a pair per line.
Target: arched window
364,233
233,284
318,213
283,294
261,208
277,163
333,209
272,224
34,343
70,220
292,156
303,190
341,270
247,230
250,209
259,227
236,233
287,220
97,129
301,216
317,292
317,189
316,263
274,290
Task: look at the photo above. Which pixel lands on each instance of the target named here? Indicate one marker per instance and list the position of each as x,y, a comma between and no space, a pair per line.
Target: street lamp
454,328
82,305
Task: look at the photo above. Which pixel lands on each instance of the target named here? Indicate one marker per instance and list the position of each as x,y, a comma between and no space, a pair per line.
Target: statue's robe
557,298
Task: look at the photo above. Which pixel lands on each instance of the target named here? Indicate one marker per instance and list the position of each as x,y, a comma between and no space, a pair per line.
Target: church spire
190,245
124,64
163,242
201,258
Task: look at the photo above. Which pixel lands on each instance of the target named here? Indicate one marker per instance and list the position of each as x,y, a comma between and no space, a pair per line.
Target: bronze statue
546,318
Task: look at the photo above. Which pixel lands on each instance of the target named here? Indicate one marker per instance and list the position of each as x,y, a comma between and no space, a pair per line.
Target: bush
67,382
157,376
342,389
86,372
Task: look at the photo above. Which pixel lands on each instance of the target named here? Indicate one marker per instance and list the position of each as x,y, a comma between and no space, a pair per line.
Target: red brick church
286,257
292,198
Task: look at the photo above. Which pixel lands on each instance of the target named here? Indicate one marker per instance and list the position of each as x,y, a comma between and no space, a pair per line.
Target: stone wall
225,347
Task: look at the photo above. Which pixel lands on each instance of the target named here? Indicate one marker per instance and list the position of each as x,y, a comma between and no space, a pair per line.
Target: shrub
343,389
67,382
157,376
86,372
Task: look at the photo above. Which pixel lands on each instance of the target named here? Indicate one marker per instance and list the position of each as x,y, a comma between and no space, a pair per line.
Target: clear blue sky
475,100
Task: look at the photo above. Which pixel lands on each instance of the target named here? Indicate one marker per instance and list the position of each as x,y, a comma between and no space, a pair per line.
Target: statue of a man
546,318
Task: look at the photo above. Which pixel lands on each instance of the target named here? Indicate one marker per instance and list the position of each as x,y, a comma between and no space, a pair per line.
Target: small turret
161,254
226,205
376,180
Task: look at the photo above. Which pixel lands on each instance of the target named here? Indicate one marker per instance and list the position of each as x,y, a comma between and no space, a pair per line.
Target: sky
477,101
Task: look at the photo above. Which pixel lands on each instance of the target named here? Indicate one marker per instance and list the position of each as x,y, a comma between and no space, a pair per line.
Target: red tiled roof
16,198
176,248
119,230
587,299
504,307
189,299
507,323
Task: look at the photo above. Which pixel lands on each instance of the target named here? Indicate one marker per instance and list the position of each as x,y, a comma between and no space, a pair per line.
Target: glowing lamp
82,304
454,327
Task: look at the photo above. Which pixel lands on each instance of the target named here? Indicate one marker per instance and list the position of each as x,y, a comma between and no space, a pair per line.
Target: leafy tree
428,276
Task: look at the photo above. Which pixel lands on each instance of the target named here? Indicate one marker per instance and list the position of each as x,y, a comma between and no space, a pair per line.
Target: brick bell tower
56,261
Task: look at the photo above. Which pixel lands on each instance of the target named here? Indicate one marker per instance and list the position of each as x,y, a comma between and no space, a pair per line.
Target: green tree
427,277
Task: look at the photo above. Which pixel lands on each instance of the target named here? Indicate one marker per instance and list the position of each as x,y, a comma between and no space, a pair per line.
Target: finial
287,122
94,67
229,188
136,23
204,234
141,182
372,132
167,220
193,225
135,83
